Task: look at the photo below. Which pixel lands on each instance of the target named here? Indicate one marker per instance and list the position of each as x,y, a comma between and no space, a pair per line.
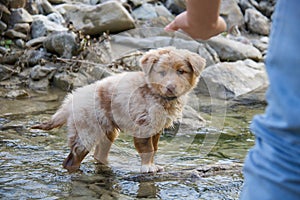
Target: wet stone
15,34
39,72
41,84
17,94
22,27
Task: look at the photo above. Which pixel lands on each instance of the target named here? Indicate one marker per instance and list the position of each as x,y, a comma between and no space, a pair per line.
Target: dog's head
172,72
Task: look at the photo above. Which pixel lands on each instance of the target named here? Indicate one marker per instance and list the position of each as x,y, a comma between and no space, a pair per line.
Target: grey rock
39,72
63,81
62,43
231,80
22,27
191,120
69,81
260,44
161,10
5,72
42,26
110,16
81,79
56,18
45,7
15,34
176,6
3,26
11,58
122,43
99,72
245,4
33,57
41,84
3,50
57,1
20,43
17,3
257,22
145,11
232,13
150,11
19,15
35,42
17,94
266,7
230,50
136,3
257,96
32,7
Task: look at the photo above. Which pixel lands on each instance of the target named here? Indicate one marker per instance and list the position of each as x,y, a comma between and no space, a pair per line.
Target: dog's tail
58,119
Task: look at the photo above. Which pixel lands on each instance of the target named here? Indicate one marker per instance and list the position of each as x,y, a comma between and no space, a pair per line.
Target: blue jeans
272,167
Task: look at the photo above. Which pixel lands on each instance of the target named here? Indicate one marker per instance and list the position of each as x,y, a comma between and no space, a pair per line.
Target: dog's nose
171,88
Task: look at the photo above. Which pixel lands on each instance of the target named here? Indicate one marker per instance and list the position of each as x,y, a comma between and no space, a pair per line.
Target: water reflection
30,160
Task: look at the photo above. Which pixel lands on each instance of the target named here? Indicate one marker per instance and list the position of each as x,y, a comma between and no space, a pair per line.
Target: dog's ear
196,62
148,60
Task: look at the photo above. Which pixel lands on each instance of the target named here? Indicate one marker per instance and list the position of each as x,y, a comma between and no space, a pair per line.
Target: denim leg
272,167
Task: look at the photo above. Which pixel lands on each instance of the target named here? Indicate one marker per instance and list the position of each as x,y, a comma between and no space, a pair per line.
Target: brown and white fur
139,103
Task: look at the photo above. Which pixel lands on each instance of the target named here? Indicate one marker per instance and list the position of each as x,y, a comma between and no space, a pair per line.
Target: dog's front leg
146,148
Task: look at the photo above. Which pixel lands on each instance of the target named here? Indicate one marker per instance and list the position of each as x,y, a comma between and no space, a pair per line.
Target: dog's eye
180,71
162,73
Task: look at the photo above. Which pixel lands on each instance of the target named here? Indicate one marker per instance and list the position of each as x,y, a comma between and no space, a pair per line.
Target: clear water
30,160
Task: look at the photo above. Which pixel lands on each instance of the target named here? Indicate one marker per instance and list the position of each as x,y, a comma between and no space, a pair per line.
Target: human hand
196,30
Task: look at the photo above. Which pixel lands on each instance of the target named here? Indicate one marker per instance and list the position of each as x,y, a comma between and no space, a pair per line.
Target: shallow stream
30,160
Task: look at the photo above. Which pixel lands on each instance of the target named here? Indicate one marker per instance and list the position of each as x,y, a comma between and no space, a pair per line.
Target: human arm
201,19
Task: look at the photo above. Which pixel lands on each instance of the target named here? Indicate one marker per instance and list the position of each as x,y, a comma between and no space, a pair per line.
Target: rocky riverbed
67,44
205,163
49,47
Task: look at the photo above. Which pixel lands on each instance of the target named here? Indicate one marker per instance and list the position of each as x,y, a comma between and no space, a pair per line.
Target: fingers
171,27
180,22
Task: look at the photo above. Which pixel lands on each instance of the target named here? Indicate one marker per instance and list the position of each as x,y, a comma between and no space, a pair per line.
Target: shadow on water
30,160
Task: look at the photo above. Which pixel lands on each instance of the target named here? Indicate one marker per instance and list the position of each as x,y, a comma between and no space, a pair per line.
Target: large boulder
95,19
231,50
230,80
125,43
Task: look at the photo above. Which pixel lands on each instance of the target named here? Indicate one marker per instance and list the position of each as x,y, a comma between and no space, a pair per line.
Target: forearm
205,12
203,16
201,20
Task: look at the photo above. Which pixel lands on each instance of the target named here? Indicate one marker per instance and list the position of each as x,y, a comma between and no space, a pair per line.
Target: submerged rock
17,94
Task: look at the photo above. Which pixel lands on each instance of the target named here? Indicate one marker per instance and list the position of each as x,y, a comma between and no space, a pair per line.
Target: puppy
140,103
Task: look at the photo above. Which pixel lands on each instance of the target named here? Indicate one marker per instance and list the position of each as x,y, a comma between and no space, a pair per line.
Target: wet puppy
137,103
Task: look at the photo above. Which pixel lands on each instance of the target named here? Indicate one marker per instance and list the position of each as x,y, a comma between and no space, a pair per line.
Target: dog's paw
151,168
